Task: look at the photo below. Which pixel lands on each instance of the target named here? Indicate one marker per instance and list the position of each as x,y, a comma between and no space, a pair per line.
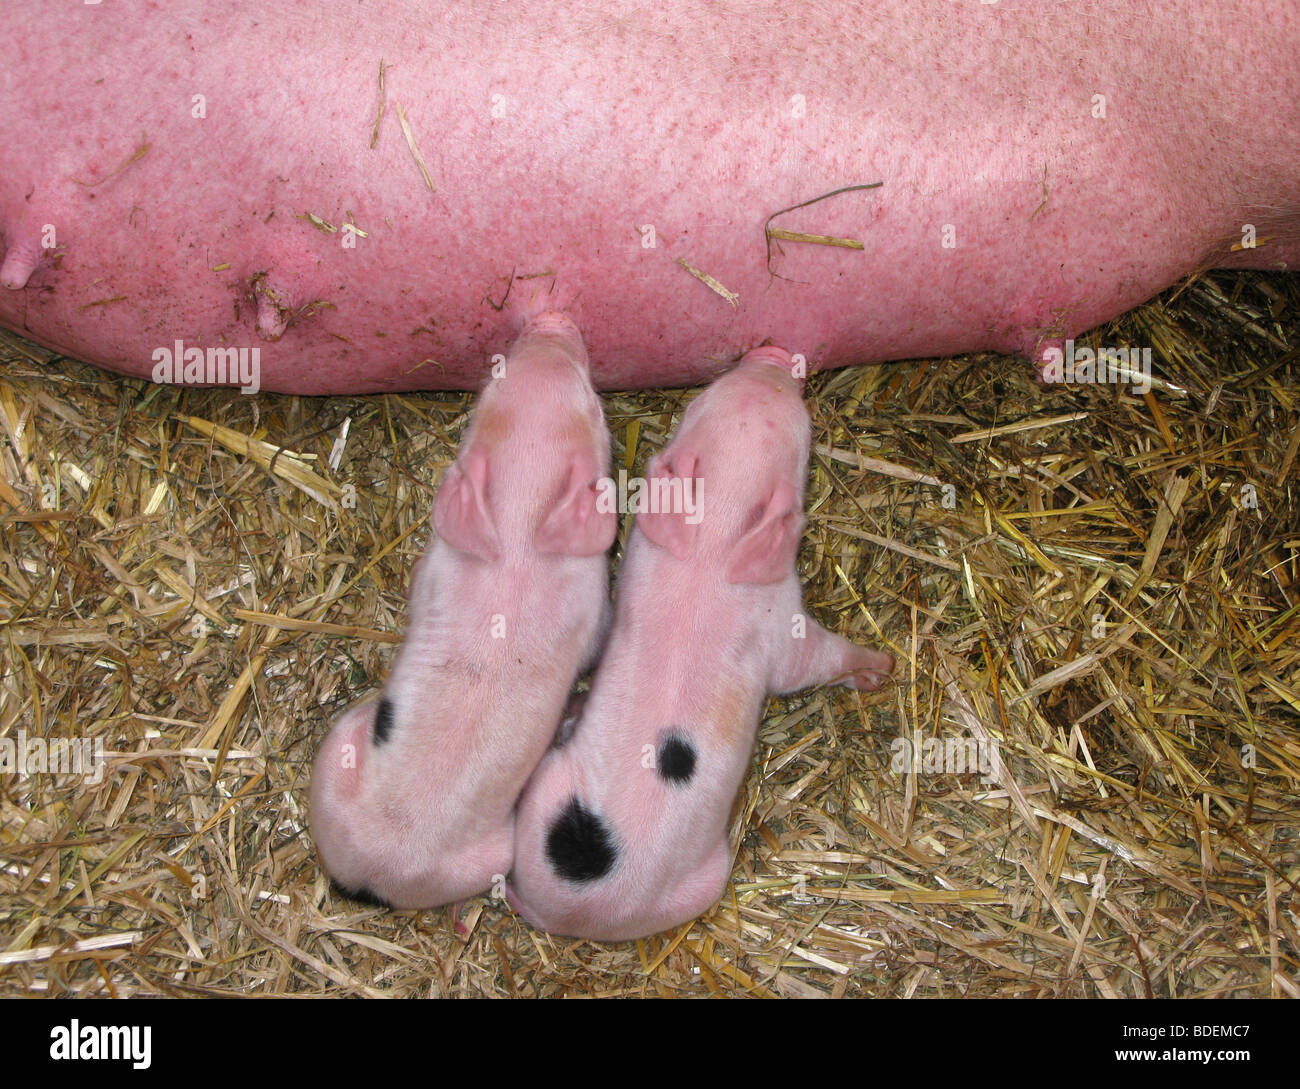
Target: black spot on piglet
361,895
579,845
676,759
383,720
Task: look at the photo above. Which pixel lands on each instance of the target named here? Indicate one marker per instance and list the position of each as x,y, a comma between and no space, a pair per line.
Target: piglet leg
817,656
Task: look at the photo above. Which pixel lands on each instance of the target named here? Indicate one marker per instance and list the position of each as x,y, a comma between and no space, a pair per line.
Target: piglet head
730,484
572,526
528,476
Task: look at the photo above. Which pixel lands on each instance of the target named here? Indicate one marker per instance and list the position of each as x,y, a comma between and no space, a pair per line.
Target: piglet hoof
870,671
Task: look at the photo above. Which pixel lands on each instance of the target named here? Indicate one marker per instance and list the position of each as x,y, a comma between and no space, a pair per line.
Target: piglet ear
765,554
584,522
672,476
460,512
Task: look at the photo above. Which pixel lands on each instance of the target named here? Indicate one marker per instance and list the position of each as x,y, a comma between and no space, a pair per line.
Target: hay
1094,592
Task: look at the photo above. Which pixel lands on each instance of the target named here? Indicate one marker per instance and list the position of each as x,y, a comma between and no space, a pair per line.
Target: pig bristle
675,761
579,845
383,721
530,297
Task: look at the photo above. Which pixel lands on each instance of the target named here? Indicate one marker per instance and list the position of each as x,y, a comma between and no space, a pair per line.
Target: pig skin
230,175
412,795
622,831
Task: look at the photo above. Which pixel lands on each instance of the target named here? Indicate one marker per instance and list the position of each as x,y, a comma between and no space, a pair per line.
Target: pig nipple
552,321
19,264
771,355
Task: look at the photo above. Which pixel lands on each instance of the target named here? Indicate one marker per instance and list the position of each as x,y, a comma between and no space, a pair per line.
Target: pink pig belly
212,176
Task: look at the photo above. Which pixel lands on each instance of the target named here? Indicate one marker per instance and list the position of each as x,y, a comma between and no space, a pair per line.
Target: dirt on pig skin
353,191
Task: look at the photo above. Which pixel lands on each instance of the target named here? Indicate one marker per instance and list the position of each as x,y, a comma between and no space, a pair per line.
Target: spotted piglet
622,831
413,794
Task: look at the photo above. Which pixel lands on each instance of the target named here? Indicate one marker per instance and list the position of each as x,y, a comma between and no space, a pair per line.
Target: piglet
622,830
413,794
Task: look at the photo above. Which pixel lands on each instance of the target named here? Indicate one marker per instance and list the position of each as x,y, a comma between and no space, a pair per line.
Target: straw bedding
1093,592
